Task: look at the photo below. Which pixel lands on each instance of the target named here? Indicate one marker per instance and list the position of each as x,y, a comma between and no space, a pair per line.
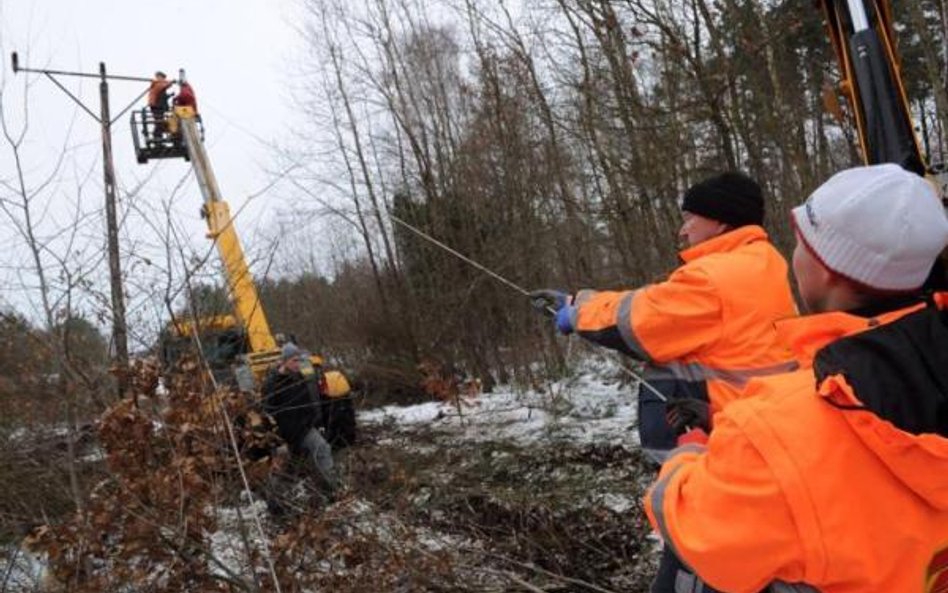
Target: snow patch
23,570
584,409
227,545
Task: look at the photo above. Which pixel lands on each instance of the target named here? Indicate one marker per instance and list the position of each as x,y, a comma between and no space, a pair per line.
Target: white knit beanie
879,225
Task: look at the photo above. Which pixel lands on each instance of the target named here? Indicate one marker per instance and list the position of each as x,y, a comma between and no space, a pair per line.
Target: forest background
550,141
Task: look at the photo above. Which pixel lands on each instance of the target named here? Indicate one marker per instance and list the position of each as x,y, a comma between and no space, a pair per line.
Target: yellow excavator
861,33
239,347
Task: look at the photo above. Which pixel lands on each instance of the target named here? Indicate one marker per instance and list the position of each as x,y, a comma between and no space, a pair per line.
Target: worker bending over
835,475
294,404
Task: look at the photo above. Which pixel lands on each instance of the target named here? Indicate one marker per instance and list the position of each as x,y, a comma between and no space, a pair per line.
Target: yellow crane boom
220,229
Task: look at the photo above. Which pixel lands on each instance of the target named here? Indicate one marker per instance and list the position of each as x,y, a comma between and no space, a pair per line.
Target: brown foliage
148,524
447,385
151,525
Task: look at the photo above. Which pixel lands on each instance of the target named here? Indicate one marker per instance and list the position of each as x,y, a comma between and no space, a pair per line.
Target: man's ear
836,288
830,278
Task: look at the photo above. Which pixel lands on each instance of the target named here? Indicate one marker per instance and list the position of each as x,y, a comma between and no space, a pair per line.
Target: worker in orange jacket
158,100
158,92
833,478
703,332
709,327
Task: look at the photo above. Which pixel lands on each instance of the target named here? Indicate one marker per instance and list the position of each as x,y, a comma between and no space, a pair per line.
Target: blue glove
564,319
555,303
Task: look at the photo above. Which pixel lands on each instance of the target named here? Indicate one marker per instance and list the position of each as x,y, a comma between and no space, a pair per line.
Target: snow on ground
22,570
595,407
591,407
577,421
227,544
547,474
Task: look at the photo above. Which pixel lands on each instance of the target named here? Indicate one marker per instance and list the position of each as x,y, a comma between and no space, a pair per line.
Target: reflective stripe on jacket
712,320
807,480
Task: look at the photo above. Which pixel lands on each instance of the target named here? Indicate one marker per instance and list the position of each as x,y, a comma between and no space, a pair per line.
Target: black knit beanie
732,198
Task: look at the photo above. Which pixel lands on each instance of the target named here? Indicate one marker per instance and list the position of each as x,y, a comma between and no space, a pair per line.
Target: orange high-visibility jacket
834,476
712,321
157,93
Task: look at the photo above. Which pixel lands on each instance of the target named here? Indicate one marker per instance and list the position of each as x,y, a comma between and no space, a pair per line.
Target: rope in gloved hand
539,299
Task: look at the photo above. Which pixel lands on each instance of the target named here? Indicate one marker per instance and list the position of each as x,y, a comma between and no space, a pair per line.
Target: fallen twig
552,575
524,583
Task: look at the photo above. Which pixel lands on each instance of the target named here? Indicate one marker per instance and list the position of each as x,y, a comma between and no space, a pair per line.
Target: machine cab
157,135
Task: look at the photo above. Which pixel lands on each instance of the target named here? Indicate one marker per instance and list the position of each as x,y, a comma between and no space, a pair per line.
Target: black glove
686,413
556,304
549,301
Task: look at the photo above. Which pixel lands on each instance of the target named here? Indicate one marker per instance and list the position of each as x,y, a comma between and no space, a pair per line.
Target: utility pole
119,328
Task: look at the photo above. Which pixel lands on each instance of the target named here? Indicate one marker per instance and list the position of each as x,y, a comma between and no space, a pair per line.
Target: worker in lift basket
158,100
833,478
185,96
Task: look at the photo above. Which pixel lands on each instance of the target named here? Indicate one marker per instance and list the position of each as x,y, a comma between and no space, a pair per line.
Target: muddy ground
537,491
541,516
515,491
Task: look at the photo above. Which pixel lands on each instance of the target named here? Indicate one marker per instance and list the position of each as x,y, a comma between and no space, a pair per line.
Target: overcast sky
238,55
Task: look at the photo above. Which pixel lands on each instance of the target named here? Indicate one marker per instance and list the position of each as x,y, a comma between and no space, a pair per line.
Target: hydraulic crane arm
159,134
861,34
220,227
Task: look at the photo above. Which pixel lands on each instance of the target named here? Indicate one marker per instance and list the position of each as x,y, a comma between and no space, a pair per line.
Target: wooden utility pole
119,328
